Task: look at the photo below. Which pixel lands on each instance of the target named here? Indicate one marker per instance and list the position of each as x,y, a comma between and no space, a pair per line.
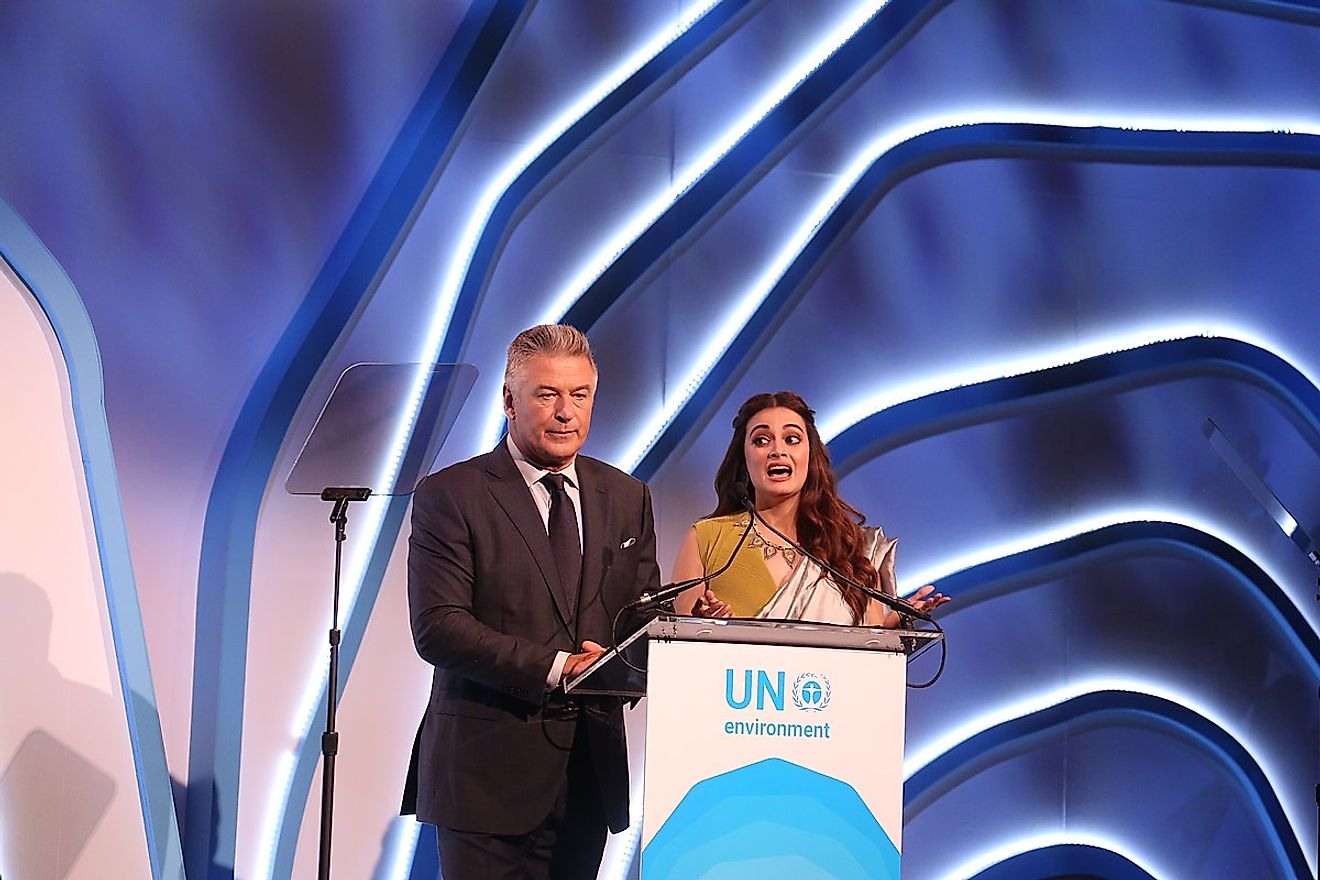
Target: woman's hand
710,605
925,599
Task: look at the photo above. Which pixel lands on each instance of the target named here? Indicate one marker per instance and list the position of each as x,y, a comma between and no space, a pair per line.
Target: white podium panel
769,761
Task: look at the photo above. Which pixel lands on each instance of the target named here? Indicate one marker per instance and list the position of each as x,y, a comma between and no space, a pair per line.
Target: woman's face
777,453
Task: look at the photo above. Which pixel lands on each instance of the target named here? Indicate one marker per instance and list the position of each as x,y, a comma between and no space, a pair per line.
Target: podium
774,749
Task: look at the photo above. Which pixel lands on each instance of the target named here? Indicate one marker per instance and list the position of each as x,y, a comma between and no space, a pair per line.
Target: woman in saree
777,462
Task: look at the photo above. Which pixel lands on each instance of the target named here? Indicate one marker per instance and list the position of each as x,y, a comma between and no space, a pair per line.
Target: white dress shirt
532,475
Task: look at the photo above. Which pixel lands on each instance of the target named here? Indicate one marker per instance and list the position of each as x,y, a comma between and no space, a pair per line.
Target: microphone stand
341,496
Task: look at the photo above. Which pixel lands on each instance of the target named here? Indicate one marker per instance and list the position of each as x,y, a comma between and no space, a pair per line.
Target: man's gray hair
545,340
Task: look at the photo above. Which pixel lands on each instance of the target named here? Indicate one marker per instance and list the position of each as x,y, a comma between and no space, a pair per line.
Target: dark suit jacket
489,614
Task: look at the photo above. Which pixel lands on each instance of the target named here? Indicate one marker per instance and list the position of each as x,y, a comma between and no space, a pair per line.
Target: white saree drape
810,594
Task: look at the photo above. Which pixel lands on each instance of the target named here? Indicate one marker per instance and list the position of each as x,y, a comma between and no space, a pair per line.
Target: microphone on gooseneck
664,594
902,606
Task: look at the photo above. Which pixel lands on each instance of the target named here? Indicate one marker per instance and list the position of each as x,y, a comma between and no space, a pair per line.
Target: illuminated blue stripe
425,857
225,567
64,309
965,759
672,62
942,146
869,47
913,420
987,579
1076,860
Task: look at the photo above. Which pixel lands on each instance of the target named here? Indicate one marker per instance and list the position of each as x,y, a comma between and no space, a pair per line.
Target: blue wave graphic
772,819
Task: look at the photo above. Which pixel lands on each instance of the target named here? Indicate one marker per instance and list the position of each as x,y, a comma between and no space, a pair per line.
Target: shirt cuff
556,671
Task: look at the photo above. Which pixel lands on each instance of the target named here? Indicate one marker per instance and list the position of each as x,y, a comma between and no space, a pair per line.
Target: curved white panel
69,805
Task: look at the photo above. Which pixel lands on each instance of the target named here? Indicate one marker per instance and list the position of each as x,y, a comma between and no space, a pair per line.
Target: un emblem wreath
811,692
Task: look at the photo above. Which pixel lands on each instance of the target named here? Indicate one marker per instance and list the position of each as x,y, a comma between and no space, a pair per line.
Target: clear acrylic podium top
621,671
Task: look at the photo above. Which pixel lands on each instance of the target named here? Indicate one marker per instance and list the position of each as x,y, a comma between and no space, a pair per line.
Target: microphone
664,594
902,606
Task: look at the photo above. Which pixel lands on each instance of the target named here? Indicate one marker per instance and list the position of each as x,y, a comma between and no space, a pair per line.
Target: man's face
549,409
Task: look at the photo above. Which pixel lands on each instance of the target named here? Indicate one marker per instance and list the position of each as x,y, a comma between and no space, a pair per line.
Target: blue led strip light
913,420
64,309
994,577
225,568
1066,860
942,146
737,170
666,66
965,759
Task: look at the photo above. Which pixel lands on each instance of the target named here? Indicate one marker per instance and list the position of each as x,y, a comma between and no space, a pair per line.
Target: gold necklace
770,548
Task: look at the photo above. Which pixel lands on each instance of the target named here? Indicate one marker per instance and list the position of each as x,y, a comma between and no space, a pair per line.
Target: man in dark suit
518,562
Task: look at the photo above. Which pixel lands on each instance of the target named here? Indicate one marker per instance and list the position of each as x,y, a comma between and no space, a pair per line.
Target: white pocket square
628,543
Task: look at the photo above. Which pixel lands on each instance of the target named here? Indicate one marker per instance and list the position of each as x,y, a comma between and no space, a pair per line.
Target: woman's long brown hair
828,527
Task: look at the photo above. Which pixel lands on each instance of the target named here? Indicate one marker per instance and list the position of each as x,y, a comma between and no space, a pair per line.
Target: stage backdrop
1046,271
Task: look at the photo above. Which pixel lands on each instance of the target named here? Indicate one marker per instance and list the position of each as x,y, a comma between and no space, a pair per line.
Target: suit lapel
513,496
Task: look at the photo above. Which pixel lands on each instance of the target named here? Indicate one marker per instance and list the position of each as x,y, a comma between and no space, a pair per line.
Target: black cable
614,643
944,655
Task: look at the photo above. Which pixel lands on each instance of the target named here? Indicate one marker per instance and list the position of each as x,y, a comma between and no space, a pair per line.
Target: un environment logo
811,692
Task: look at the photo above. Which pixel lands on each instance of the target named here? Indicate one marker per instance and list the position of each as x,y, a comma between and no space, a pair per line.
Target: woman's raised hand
927,599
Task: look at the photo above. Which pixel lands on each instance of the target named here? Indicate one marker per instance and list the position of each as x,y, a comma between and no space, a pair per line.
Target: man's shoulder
594,468
474,470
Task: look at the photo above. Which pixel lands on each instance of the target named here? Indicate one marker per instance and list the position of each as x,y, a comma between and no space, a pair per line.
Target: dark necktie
564,538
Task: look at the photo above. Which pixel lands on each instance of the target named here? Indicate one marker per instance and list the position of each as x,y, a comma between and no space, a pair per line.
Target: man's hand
576,663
